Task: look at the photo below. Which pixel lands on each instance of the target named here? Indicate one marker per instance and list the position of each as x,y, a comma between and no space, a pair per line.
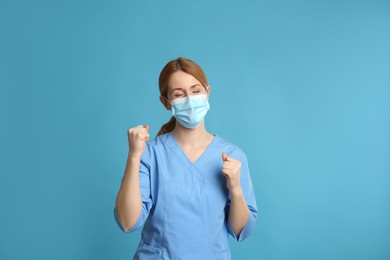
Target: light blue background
303,87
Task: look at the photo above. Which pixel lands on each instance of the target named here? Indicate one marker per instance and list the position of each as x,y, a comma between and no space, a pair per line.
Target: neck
191,137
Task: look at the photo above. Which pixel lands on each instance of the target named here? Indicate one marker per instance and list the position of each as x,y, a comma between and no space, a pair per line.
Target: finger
224,156
227,174
130,130
141,130
227,167
146,127
230,163
231,159
230,172
143,138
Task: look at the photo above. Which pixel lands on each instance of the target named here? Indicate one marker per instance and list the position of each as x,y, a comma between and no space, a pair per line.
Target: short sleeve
249,195
145,188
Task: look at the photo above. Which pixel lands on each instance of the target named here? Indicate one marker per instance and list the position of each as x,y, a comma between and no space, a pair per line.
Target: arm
128,206
242,202
238,212
128,202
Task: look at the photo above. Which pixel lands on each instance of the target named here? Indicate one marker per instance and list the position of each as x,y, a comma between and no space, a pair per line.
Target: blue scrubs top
185,205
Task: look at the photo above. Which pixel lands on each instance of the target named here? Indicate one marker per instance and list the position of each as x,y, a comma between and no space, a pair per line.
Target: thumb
224,156
146,128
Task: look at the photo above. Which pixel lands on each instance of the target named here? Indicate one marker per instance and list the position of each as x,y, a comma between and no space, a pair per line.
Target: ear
165,103
208,89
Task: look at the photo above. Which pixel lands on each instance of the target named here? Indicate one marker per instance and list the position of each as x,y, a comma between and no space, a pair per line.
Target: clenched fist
231,168
137,139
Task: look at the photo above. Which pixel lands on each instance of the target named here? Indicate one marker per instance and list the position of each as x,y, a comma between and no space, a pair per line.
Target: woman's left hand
231,168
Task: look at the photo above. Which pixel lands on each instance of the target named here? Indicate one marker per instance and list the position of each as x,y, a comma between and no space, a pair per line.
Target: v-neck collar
183,154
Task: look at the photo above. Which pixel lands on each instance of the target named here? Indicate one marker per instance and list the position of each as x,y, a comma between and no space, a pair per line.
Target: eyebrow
182,88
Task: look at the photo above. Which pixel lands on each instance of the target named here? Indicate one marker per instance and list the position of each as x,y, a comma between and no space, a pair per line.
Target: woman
188,187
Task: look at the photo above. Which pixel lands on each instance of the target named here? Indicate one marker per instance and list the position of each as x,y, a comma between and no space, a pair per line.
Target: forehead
180,79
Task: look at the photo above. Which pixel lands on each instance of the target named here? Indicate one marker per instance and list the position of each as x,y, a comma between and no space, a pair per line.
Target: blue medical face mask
190,110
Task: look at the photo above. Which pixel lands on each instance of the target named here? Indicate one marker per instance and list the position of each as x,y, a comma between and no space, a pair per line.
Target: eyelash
179,95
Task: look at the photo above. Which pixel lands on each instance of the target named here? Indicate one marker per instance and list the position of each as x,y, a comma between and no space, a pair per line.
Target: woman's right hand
137,139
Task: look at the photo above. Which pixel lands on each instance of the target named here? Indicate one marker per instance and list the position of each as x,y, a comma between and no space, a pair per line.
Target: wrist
134,156
236,192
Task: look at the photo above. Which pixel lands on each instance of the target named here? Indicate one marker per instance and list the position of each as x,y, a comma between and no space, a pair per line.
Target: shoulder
152,146
157,143
231,149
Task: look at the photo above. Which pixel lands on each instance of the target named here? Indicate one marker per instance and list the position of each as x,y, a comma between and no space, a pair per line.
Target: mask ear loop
208,92
167,100
207,89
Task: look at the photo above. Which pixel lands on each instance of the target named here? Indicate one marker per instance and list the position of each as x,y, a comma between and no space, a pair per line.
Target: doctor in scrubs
188,188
